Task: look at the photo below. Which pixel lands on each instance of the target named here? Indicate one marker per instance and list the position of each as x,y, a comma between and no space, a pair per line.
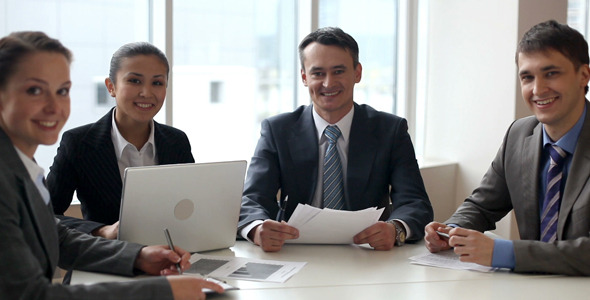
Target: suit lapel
101,160
164,145
44,223
578,175
303,149
362,147
41,216
529,170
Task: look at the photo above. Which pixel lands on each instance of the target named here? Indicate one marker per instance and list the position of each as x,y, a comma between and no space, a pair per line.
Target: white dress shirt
128,155
37,174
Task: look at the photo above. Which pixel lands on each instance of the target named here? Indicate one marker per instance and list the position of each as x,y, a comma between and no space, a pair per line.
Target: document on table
448,259
329,226
243,268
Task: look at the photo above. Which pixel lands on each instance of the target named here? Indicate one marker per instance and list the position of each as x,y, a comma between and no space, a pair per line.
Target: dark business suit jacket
33,244
380,157
512,182
86,163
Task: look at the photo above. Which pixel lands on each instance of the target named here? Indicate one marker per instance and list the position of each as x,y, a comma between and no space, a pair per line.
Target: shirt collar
570,139
32,167
121,143
344,124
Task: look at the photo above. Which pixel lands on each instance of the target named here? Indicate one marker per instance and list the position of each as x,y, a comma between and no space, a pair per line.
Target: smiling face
139,90
35,102
553,89
330,77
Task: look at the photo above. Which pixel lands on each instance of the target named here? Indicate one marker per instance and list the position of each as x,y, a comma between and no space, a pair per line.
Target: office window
92,30
234,65
577,15
374,26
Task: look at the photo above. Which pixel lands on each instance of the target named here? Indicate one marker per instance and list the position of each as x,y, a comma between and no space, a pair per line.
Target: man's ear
585,70
303,77
358,73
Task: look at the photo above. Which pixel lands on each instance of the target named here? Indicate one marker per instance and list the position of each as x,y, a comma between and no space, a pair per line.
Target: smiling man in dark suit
365,159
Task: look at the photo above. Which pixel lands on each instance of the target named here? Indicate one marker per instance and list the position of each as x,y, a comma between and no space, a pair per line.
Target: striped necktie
333,193
553,194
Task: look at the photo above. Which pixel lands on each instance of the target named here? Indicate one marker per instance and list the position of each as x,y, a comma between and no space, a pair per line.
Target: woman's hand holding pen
271,235
160,260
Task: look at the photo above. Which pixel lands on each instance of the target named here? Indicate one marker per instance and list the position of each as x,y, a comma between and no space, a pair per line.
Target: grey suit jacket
33,244
512,182
382,168
86,163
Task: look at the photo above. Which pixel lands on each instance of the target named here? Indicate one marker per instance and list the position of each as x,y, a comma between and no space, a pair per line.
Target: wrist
400,232
98,231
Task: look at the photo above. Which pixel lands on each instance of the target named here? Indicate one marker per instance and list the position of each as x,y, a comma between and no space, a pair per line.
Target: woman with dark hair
34,105
91,159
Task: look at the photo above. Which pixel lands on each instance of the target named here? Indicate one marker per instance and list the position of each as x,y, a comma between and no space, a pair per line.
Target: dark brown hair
17,45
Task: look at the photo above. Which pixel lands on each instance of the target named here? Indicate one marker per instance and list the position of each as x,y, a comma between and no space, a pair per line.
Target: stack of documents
328,226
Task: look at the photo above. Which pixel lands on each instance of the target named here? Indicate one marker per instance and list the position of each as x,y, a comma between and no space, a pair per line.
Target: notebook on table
199,204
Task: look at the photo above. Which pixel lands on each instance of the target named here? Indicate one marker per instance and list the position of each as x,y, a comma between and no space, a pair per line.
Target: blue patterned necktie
333,193
552,195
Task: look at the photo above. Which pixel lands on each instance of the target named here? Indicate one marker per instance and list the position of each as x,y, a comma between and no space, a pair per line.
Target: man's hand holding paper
328,226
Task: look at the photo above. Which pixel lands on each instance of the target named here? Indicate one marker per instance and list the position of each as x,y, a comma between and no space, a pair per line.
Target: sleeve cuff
503,255
406,227
244,232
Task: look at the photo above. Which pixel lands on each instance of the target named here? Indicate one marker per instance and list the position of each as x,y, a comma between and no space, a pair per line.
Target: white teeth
330,94
546,101
47,123
143,105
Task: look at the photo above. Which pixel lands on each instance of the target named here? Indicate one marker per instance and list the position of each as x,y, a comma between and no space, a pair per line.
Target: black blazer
380,157
33,245
86,163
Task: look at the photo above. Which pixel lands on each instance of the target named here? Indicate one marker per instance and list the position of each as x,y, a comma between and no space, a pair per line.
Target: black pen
282,210
171,245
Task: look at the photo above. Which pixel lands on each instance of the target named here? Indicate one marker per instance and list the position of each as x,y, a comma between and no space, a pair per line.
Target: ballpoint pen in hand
171,245
283,208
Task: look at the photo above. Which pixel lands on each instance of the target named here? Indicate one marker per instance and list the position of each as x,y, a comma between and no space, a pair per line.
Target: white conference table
356,272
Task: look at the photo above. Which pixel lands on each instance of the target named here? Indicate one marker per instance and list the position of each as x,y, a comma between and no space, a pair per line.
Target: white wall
472,90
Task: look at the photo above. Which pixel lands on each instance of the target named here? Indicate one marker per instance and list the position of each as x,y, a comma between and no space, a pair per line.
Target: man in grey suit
541,171
376,165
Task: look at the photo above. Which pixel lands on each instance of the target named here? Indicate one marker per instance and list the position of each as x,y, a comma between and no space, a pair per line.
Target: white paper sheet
328,226
239,268
448,259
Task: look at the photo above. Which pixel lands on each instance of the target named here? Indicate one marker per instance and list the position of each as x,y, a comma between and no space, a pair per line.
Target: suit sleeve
568,257
62,181
408,195
489,202
186,155
262,182
25,275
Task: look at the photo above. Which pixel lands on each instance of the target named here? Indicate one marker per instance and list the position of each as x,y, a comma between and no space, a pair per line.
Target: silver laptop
198,203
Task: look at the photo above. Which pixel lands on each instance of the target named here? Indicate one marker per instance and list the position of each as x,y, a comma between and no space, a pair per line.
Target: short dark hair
550,35
331,36
17,45
135,49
